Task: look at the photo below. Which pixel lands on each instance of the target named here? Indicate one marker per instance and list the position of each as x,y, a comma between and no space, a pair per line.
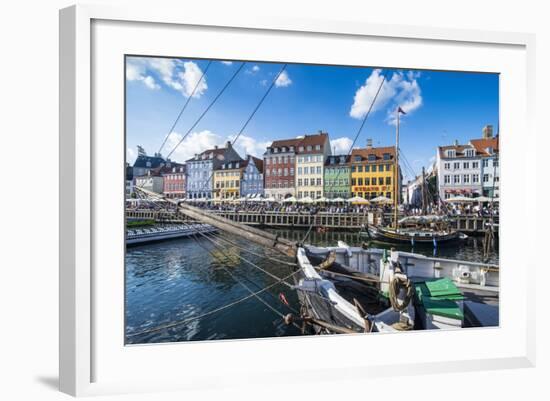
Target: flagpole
396,178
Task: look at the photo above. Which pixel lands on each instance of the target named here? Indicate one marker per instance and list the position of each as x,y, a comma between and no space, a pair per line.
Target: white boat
446,294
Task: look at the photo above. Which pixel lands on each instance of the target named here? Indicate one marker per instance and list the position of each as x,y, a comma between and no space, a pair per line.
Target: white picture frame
86,336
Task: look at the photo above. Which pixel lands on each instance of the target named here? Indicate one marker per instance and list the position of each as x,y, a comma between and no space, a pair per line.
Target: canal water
178,280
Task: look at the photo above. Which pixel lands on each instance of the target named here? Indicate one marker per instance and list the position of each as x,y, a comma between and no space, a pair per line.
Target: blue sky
440,106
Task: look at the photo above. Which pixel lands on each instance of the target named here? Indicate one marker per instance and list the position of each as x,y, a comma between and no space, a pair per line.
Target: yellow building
373,172
227,180
311,151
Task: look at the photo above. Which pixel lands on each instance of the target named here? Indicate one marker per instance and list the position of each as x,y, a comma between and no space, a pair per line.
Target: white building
153,182
311,152
468,170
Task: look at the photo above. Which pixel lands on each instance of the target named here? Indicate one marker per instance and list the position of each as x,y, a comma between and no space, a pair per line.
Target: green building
337,177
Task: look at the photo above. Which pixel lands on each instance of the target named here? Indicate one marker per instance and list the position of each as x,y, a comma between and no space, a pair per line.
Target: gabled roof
142,160
225,166
306,140
481,145
259,163
337,162
377,152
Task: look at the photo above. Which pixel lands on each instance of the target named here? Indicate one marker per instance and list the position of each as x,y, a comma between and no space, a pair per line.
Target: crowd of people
453,209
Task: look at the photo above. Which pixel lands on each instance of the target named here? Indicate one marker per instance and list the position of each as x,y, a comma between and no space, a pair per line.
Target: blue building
252,181
200,169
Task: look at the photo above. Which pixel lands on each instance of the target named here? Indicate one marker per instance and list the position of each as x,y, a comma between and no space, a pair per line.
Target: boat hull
426,238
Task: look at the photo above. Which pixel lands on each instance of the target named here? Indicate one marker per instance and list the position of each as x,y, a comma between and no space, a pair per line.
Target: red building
174,180
279,166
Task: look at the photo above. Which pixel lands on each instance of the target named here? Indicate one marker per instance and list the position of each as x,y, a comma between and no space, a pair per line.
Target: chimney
215,146
369,143
456,142
228,144
487,132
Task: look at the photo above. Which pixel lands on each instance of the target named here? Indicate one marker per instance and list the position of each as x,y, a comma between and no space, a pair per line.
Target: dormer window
357,158
489,150
309,148
372,157
451,153
342,159
292,148
148,164
386,156
211,156
470,152
223,166
301,148
237,165
283,149
275,150
317,147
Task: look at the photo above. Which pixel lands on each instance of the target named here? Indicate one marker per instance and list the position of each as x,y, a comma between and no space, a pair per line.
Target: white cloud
247,145
283,80
131,155
227,62
400,90
256,68
175,74
198,142
137,72
194,143
341,146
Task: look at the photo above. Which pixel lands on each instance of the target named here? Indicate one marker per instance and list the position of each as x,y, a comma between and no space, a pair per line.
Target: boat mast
396,178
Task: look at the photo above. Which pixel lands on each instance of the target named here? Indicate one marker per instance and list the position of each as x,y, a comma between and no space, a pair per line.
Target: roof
155,161
336,159
215,152
169,167
481,145
377,152
259,163
225,166
307,140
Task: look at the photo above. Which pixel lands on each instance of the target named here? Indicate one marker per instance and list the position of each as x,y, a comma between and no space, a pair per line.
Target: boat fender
289,319
400,282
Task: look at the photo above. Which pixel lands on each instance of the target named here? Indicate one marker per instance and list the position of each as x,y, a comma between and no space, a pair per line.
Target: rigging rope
184,106
208,108
352,145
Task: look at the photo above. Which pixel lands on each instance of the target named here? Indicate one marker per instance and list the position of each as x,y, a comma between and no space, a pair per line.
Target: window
353,169
359,181
456,179
485,177
299,171
357,158
300,182
388,180
456,166
466,178
319,171
374,168
446,179
306,170
319,182
495,162
372,158
292,171
306,182
317,147
475,164
308,148
359,169
286,172
301,148
299,194
367,169
380,180
447,166
367,181
386,156
485,162
388,167
466,165
451,153
353,181
470,152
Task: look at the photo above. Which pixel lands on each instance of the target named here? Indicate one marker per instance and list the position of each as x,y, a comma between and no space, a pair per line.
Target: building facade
173,175
200,170
152,181
459,171
252,181
144,163
337,177
279,169
311,152
227,180
374,172
488,149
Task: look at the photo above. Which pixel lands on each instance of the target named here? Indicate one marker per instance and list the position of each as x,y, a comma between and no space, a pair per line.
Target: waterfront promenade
471,224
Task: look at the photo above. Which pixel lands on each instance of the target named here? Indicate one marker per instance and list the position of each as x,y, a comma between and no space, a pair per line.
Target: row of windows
466,165
306,182
279,160
253,176
340,181
466,179
312,194
174,186
227,184
341,170
279,172
174,177
198,165
309,148
371,181
280,184
372,195
227,174
373,168
312,170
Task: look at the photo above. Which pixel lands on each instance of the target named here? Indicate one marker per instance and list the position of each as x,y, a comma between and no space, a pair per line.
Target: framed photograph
235,190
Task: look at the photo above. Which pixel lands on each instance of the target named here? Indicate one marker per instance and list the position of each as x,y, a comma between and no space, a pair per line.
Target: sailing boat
428,230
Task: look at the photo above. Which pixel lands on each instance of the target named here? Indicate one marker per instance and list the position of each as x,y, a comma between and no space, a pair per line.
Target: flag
400,110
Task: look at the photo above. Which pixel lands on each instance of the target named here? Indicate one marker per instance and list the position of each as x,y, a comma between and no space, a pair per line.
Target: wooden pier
344,221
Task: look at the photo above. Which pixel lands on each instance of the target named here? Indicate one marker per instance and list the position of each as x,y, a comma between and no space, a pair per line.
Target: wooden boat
416,235
447,294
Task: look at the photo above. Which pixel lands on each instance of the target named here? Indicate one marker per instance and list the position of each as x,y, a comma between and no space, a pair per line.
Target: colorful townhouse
252,181
200,170
280,168
173,175
337,177
311,152
469,170
227,179
374,172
